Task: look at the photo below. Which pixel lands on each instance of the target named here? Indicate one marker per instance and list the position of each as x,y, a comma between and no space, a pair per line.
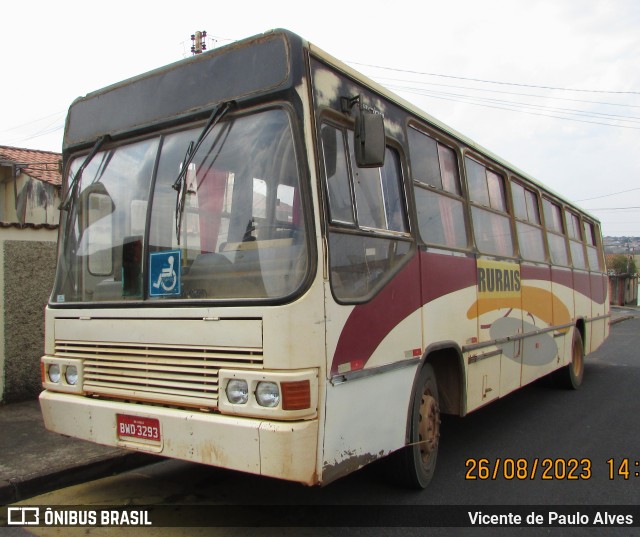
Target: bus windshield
239,216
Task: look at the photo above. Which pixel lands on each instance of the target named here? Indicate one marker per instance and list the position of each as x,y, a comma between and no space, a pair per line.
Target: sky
552,86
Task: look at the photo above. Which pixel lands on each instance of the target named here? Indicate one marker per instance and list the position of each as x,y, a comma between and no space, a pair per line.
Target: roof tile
41,165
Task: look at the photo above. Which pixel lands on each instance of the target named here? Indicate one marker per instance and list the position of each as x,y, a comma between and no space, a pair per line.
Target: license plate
138,427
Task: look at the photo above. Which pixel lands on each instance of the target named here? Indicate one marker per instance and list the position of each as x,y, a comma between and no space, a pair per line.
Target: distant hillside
622,245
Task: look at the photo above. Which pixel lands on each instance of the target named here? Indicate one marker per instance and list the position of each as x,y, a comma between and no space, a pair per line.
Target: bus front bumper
285,450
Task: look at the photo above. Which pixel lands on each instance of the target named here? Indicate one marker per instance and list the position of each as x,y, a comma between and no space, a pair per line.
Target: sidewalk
622,313
34,461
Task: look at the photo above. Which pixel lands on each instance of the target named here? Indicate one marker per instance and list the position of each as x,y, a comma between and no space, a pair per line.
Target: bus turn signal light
296,395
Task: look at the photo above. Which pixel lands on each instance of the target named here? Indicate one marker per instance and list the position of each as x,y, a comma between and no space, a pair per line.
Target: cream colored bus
271,264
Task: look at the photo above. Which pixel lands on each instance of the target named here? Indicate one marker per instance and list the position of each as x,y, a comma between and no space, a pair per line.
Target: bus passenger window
491,224
440,219
437,192
496,191
425,165
528,227
592,246
555,233
575,241
449,170
477,182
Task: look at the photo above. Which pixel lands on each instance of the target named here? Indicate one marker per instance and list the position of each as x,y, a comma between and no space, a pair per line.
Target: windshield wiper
76,178
180,184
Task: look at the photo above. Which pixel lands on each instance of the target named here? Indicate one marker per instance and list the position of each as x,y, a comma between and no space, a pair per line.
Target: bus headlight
71,375
270,394
237,391
62,374
267,394
54,373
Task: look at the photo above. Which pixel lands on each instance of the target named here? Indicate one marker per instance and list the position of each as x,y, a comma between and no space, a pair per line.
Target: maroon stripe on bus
591,285
439,275
444,274
369,323
599,285
530,272
562,276
582,283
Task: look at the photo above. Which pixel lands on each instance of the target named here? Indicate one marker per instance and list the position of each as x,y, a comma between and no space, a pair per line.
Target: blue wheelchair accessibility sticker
164,273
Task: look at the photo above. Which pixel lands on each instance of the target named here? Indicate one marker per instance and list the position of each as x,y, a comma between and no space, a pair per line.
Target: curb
620,319
23,488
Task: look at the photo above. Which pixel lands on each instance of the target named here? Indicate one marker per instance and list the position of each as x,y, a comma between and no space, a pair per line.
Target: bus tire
573,373
417,461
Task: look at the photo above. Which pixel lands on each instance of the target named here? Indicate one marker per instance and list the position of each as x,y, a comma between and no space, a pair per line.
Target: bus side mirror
369,139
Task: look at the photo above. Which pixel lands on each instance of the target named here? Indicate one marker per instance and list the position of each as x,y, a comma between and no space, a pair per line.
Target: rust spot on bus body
351,463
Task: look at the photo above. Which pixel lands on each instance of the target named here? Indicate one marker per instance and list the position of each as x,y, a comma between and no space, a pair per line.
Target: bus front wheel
418,459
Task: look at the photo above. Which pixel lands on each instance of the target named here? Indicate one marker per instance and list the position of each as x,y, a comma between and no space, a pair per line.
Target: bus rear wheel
573,373
418,459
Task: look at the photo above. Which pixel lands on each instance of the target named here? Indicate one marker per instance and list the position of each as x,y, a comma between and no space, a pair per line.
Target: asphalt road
564,433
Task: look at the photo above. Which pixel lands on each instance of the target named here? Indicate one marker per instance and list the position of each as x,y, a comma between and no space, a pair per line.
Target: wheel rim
429,427
576,361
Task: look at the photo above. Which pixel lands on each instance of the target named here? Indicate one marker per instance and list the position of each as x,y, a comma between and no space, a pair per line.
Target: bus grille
173,375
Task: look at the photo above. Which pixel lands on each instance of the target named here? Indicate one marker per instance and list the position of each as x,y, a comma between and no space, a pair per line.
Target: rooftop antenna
198,40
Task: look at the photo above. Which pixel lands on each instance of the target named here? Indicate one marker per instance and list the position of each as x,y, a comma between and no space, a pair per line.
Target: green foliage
622,264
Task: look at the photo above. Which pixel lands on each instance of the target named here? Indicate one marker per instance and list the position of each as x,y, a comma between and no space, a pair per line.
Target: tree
622,264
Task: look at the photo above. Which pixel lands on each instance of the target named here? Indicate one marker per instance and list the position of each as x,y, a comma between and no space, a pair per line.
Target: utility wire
614,209
608,195
16,127
546,97
49,130
573,111
609,119
536,113
495,81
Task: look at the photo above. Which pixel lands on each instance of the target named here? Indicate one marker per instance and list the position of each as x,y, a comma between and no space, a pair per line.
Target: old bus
269,263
